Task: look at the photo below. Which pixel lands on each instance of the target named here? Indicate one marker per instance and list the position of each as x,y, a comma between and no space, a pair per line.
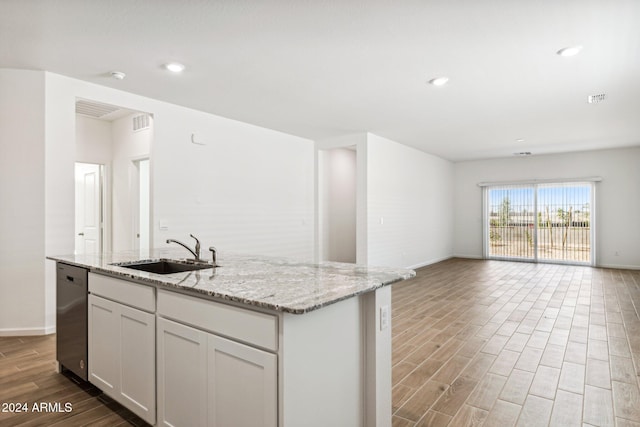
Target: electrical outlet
384,317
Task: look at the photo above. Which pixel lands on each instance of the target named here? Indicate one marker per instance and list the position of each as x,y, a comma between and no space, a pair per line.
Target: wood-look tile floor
28,376
474,343
497,343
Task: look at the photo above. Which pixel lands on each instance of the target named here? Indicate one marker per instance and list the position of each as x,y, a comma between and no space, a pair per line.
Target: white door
141,205
88,209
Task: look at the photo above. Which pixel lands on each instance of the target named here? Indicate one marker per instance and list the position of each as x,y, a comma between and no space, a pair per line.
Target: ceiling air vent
94,109
141,122
594,99
522,154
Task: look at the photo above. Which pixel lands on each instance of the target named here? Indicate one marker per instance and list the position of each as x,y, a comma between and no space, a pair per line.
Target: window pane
511,221
564,227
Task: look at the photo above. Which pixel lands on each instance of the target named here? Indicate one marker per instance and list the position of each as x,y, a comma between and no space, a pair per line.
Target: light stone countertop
281,284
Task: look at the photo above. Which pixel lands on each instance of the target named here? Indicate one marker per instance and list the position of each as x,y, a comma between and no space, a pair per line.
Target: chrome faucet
196,253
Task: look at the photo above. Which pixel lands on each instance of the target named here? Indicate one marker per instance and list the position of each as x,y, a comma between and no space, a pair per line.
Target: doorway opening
119,139
337,204
550,222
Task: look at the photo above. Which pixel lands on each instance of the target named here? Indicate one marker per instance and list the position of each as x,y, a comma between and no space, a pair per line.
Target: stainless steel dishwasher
71,319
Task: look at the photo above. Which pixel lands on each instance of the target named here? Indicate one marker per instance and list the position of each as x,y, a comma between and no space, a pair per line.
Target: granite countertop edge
248,279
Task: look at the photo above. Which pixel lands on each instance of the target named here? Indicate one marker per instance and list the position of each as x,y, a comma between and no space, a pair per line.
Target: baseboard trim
23,332
612,266
619,267
433,261
467,256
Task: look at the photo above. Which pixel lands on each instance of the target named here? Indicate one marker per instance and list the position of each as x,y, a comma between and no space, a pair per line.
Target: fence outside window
549,222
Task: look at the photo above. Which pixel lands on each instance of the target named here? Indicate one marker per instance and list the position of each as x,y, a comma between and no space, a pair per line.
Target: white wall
127,146
249,189
338,205
617,198
59,184
409,204
93,141
22,202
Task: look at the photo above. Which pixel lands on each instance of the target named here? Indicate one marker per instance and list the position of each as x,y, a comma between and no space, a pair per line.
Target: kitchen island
256,341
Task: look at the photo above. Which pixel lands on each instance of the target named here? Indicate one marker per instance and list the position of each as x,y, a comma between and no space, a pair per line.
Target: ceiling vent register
141,122
594,99
94,109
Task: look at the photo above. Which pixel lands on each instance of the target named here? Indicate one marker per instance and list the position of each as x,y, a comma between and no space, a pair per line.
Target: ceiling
324,68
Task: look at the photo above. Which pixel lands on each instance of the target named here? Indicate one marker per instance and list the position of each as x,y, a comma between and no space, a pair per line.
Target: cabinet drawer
123,291
252,327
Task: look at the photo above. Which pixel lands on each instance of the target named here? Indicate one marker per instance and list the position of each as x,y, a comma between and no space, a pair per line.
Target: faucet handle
213,255
197,246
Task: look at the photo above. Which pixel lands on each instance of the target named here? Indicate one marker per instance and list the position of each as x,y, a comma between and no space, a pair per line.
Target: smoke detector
118,75
594,99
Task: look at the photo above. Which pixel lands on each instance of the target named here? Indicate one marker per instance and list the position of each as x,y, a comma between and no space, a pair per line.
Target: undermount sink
165,266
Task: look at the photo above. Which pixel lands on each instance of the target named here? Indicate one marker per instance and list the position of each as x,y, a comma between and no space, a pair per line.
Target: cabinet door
122,355
242,385
104,345
138,354
182,380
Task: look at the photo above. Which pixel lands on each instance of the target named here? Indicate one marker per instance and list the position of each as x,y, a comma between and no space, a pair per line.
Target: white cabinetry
182,383
222,365
122,343
241,384
104,344
207,380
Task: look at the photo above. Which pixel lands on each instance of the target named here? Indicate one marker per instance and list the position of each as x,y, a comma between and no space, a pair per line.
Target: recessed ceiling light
520,140
439,81
174,67
569,51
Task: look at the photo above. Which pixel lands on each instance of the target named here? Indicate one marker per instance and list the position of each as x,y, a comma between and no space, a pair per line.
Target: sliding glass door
511,222
564,223
550,222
